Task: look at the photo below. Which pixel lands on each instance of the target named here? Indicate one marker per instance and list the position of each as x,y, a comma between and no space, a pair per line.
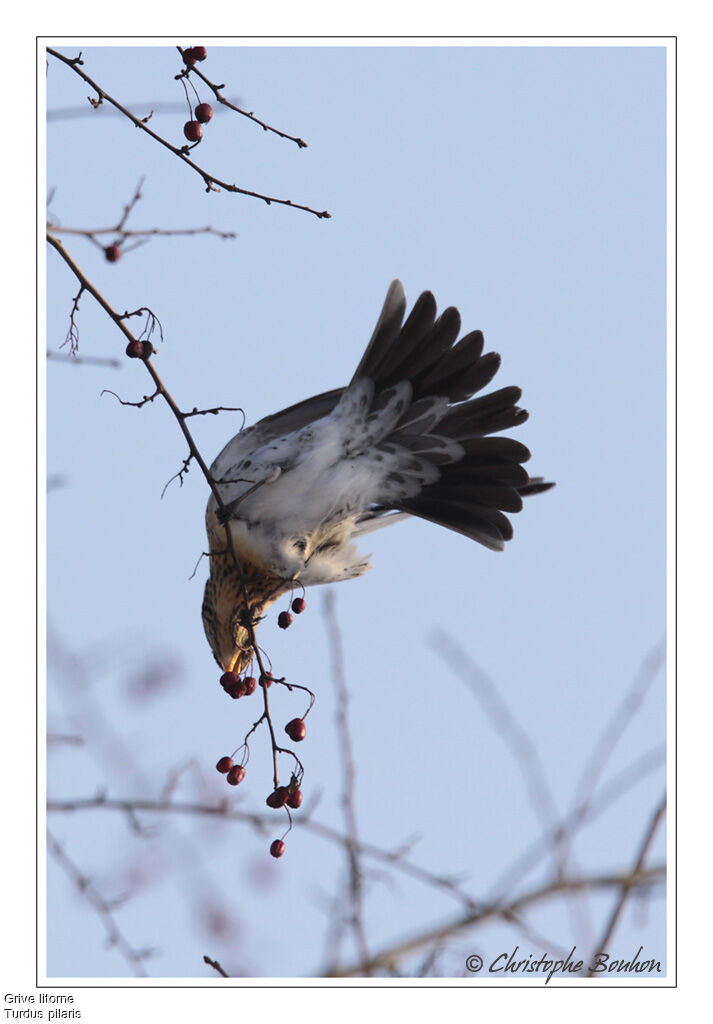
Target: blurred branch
156,107
211,182
55,482
558,887
262,824
629,882
62,739
351,845
505,724
74,678
101,906
608,795
59,357
617,725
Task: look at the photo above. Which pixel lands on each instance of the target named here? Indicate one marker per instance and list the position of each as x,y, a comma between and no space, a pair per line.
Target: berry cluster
139,349
282,796
236,687
194,53
284,619
290,796
285,796
193,130
234,773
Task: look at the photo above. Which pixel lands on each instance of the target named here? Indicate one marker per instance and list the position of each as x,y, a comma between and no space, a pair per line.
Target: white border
272,983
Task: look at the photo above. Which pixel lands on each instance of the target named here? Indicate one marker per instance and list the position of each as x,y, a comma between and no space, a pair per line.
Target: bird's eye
301,545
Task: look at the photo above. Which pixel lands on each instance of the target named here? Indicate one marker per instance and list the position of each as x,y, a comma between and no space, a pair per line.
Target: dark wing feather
480,477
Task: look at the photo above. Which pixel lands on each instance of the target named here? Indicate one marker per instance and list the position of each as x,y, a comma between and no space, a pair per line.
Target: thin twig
60,357
72,338
617,724
211,182
262,823
557,887
628,882
356,878
506,725
238,110
572,822
181,418
57,229
101,906
155,106
216,966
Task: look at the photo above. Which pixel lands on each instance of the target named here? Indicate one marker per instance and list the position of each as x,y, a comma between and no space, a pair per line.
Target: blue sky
526,185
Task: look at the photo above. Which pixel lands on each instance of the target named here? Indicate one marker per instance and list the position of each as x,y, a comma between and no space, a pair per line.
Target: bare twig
194,453
629,881
557,887
606,796
86,360
216,966
102,907
179,475
617,724
215,410
262,823
72,338
211,182
238,110
137,405
356,878
155,106
60,739
506,725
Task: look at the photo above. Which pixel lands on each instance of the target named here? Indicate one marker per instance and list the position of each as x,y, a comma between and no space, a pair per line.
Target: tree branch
356,876
211,182
557,887
628,883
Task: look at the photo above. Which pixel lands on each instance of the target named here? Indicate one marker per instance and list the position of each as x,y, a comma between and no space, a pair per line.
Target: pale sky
526,186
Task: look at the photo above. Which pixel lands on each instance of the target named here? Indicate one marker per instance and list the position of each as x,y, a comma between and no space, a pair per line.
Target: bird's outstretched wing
405,436
409,435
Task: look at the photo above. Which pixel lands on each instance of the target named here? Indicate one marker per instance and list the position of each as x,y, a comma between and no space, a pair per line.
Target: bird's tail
479,477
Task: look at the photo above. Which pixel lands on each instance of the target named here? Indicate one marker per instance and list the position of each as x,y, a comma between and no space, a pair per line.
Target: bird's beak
228,664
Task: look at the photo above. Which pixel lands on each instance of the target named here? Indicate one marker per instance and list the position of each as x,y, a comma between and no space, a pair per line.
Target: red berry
277,848
250,685
224,765
266,681
203,113
199,52
189,56
284,619
294,800
139,349
236,775
278,798
298,605
193,131
228,680
112,253
296,729
135,350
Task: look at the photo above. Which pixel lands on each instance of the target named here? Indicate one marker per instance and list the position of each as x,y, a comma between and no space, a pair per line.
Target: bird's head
226,612
224,623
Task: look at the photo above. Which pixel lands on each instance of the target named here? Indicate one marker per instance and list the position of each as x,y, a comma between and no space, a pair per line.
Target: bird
406,437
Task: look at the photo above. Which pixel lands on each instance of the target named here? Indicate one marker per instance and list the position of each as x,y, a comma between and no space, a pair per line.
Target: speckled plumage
405,437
